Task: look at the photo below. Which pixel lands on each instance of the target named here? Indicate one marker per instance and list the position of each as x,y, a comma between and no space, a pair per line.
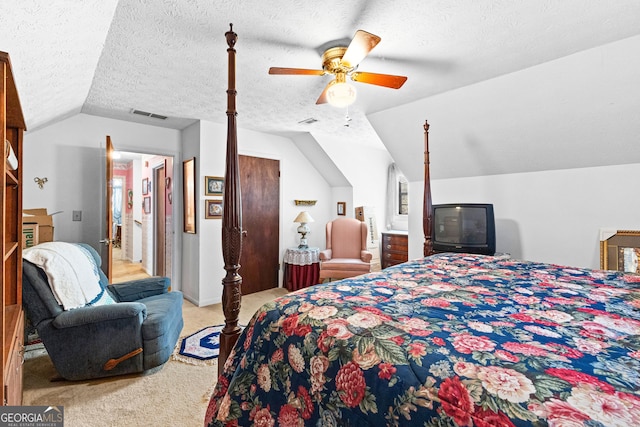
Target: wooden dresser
395,248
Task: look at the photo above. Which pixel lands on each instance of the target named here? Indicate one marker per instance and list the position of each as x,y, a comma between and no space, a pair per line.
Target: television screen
464,227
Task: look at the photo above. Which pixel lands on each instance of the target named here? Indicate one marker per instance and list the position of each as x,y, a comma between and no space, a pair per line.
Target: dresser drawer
395,239
401,240
395,249
391,247
396,256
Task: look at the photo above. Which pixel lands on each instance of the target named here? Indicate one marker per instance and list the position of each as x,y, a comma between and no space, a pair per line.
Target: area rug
199,348
34,347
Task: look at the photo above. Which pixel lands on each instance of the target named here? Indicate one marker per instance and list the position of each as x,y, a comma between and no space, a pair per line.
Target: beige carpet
175,394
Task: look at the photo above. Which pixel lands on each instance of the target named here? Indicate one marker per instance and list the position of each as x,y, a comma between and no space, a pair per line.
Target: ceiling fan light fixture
341,94
343,61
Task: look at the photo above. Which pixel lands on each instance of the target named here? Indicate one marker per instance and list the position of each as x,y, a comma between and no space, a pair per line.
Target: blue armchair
137,333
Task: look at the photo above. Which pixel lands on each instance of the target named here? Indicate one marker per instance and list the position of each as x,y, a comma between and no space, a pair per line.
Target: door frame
158,188
105,240
176,242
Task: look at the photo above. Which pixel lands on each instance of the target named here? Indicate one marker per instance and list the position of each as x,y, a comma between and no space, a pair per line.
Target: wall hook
40,181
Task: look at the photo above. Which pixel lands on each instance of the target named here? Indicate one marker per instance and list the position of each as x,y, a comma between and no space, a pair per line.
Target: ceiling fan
343,61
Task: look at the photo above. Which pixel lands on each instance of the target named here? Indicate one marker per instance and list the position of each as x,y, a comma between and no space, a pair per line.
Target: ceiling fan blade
362,43
300,71
322,99
386,80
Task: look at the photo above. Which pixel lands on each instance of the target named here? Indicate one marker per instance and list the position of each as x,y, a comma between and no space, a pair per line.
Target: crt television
464,227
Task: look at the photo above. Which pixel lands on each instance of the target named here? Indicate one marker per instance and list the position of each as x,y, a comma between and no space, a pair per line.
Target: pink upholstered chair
346,254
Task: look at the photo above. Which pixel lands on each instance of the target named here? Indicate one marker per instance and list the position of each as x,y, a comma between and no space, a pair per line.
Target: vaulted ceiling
168,57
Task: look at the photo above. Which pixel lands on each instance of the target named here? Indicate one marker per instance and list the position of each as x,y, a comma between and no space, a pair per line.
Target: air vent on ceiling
308,121
152,115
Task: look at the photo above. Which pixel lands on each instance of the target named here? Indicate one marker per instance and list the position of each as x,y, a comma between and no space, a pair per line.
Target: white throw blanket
71,270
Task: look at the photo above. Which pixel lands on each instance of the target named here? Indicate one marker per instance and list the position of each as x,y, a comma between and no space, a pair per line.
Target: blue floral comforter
448,340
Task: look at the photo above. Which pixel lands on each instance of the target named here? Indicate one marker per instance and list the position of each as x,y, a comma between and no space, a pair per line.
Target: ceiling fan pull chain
347,119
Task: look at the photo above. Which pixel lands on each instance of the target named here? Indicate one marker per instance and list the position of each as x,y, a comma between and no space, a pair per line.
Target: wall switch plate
77,215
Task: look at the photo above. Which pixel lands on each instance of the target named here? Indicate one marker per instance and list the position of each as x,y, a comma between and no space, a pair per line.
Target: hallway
124,270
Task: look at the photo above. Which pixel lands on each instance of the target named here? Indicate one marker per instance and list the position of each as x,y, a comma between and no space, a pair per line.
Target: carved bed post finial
427,206
231,218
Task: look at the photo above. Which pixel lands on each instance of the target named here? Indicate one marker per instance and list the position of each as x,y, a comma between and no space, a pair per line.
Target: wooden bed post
427,206
231,218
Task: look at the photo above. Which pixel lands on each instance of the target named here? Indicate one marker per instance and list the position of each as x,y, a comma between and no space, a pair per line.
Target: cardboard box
29,235
43,226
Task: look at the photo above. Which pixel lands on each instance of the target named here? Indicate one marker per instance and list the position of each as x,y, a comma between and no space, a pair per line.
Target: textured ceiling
168,57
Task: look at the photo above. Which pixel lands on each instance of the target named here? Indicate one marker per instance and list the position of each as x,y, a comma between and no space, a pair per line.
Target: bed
444,340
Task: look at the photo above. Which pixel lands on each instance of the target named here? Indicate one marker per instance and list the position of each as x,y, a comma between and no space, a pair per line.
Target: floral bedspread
448,340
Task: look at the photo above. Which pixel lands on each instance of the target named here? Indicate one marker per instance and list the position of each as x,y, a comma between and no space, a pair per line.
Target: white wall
549,216
71,154
190,242
137,213
298,180
341,194
366,169
574,112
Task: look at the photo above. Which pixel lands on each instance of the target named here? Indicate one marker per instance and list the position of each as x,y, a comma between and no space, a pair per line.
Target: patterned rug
34,347
200,348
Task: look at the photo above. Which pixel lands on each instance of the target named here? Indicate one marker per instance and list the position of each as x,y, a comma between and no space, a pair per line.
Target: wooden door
106,251
160,220
260,187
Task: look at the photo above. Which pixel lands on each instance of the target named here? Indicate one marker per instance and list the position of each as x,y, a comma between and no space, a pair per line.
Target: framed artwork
146,205
213,185
342,208
213,209
189,195
620,250
145,186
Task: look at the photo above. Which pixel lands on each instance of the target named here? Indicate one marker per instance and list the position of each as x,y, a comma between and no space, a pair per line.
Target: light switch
77,215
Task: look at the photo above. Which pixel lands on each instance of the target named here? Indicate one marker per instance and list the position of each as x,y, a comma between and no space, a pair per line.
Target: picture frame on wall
213,185
146,205
189,195
145,186
213,209
620,250
342,208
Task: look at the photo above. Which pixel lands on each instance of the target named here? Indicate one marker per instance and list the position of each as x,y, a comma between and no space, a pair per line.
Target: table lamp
303,218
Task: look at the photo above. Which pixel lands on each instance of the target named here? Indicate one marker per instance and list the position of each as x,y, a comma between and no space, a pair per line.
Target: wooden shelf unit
12,127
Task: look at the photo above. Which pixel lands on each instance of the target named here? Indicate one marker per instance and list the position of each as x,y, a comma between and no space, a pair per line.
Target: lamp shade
341,94
303,217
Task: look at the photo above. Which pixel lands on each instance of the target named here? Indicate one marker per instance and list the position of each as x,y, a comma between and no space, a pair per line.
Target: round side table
301,267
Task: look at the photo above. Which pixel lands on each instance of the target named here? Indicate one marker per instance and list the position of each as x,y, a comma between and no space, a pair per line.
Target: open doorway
143,227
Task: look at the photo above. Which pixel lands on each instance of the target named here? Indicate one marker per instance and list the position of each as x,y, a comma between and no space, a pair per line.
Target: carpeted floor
175,394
